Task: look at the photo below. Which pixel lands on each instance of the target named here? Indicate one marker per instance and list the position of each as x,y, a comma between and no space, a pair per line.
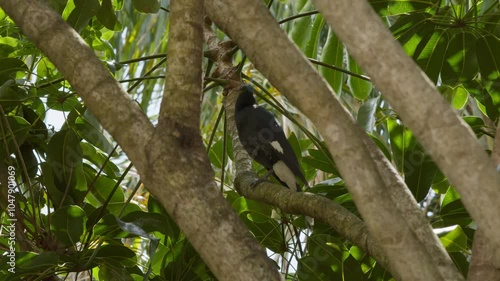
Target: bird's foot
268,174
258,181
262,179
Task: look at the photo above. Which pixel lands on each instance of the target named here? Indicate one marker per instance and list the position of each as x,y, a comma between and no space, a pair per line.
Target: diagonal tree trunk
485,262
444,134
413,251
170,159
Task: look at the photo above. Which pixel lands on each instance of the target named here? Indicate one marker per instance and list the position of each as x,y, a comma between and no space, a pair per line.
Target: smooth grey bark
257,33
172,162
446,137
485,263
271,52
320,208
344,222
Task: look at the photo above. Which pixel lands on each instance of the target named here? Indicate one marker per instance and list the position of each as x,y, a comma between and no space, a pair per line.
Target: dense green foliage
83,208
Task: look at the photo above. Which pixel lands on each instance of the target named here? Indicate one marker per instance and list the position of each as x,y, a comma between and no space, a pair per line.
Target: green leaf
107,16
411,29
440,185
136,229
62,101
255,211
329,267
460,59
257,217
99,159
489,65
490,21
58,5
419,173
116,254
119,208
461,262
8,45
455,240
401,140
391,7
332,188
46,69
146,6
215,154
103,188
294,143
68,224
301,31
15,131
151,222
107,226
476,124
29,262
319,160
418,167
10,96
382,146
30,160
488,57
333,54
9,67
484,97
38,127
431,58
366,114
83,12
56,196
315,32
452,210
456,96
360,88
89,128
155,206
108,271
460,97
352,268
64,154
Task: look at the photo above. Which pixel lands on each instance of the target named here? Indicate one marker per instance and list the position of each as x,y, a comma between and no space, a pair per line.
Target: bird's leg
262,179
269,173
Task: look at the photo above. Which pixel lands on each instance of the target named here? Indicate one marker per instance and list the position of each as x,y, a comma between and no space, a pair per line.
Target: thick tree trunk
172,161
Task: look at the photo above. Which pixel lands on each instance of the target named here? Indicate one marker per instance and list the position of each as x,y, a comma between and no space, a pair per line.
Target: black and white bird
264,140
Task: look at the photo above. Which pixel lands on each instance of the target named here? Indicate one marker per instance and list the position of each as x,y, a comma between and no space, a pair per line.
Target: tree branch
173,164
340,219
273,54
344,222
485,261
180,170
117,113
447,138
183,77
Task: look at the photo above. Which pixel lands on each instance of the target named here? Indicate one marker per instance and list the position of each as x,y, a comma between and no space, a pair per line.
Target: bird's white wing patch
276,145
285,174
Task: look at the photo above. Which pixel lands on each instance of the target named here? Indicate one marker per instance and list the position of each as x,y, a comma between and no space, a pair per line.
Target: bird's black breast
262,136
257,129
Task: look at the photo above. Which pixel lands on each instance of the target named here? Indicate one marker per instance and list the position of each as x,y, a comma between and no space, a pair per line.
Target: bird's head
245,98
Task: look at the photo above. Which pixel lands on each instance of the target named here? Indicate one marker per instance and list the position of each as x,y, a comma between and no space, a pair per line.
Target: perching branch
344,222
447,138
172,162
272,53
340,219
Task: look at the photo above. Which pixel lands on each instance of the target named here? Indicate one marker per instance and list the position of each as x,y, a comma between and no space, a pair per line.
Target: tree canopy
390,106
